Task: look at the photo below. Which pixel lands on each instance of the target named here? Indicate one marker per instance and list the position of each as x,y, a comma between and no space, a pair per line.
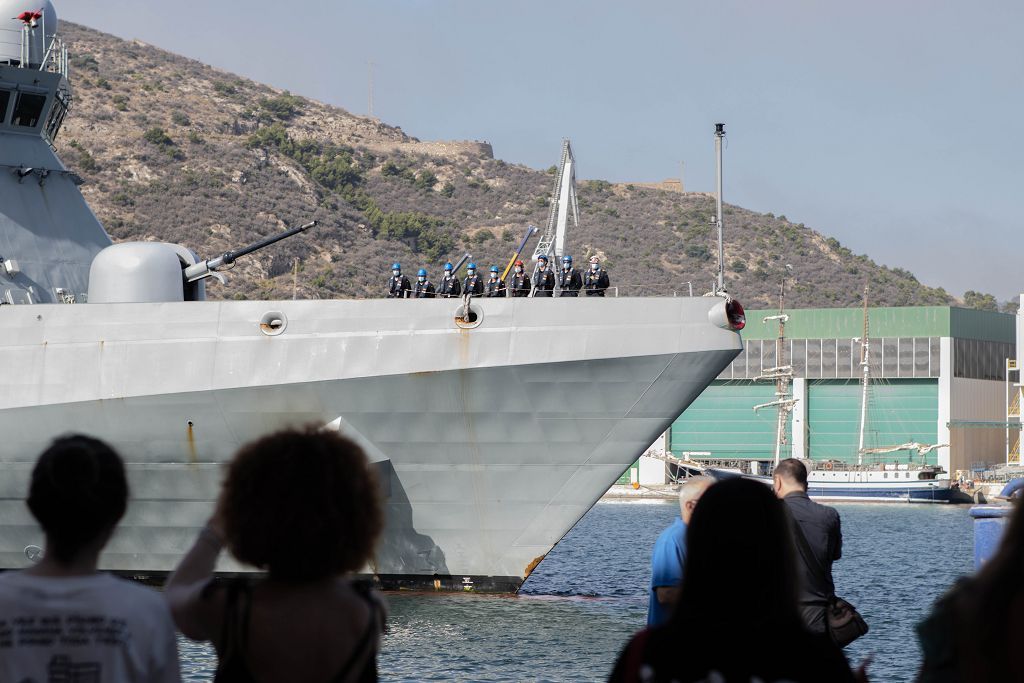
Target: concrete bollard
989,524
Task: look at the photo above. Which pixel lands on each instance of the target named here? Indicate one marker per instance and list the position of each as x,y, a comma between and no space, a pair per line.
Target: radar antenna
563,199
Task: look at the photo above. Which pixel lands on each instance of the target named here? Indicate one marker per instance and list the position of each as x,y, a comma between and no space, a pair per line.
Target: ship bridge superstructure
48,235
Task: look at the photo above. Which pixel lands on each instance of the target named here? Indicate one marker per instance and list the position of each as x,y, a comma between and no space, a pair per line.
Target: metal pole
780,382
719,134
865,369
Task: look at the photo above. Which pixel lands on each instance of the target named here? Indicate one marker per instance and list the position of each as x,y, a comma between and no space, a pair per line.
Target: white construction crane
563,199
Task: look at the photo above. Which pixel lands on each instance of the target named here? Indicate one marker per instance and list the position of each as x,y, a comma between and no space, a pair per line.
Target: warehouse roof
906,321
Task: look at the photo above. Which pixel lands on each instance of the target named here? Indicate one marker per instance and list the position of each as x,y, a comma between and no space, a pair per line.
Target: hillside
175,150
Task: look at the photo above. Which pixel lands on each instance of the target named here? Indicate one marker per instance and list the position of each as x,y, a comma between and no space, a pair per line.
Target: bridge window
5,97
27,109
57,114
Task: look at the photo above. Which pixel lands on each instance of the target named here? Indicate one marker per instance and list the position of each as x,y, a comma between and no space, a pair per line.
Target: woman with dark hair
304,506
736,618
64,620
974,631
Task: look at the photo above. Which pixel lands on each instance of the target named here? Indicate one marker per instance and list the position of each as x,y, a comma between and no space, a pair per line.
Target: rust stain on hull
533,565
192,457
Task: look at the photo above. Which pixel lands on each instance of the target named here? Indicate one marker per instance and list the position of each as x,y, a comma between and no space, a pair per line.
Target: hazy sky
894,126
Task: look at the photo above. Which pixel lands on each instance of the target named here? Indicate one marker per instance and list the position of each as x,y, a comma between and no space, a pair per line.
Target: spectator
820,527
737,617
304,506
973,632
670,553
78,493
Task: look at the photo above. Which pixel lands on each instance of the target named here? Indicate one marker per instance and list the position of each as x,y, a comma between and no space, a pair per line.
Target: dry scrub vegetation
175,150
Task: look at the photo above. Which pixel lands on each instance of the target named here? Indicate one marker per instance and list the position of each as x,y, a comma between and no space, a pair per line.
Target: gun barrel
465,257
230,256
208,267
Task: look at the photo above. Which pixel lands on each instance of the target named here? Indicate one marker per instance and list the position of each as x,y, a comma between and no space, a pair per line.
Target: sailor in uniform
596,280
520,284
569,280
424,288
398,284
543,279
472,285
495,287
450,286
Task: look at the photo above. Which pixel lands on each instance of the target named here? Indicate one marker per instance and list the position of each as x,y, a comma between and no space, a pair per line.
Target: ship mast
865,372
719,134
782,374
865,364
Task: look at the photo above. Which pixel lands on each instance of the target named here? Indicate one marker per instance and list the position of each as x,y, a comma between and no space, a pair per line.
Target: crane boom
563,206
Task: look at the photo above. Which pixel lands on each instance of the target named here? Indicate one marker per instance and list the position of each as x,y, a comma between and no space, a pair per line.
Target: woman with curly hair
304,506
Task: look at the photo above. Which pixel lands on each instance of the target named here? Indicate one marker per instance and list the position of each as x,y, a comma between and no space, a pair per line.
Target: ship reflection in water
583,602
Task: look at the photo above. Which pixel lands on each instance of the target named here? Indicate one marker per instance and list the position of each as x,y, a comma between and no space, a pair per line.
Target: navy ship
494,424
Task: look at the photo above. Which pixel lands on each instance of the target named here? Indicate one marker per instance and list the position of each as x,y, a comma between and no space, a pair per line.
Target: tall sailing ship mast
782,375
865,364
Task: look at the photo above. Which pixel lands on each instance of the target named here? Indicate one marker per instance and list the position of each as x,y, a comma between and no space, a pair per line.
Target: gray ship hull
490,442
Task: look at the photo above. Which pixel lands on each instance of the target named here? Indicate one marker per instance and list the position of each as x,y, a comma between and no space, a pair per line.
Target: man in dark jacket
495,286
473,285
821,545
424,287
569,280
520,282
543,279
596,279
450,286
398,284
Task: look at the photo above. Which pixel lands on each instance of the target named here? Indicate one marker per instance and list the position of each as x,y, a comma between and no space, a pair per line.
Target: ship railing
56,58
12,41
21,42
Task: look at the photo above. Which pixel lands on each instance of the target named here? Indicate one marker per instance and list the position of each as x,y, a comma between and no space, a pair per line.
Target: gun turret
205,269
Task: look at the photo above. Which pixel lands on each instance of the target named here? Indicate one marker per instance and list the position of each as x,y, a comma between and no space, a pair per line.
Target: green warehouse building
938,376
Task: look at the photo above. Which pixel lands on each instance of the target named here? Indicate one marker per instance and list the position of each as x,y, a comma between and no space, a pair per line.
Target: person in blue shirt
670,552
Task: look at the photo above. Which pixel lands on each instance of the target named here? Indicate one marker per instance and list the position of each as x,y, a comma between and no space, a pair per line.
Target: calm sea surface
590,594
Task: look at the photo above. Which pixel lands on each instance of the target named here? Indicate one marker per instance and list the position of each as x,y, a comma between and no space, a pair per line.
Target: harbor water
583,602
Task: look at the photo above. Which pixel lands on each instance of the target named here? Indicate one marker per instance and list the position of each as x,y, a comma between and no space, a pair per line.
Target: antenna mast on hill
563,199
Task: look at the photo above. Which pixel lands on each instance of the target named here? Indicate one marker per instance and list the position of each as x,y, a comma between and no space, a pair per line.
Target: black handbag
843,622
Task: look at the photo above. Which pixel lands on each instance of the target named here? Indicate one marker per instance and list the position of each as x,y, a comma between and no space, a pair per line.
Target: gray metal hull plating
491,442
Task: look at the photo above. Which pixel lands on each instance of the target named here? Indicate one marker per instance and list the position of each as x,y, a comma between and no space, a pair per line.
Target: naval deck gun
149,272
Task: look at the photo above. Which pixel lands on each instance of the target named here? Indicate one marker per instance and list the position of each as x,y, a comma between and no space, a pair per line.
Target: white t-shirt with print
96,628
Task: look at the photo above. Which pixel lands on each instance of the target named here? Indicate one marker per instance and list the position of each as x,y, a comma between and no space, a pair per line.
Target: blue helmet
396,266
471,266
422,273
567,259
494,269
447,266
542,257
